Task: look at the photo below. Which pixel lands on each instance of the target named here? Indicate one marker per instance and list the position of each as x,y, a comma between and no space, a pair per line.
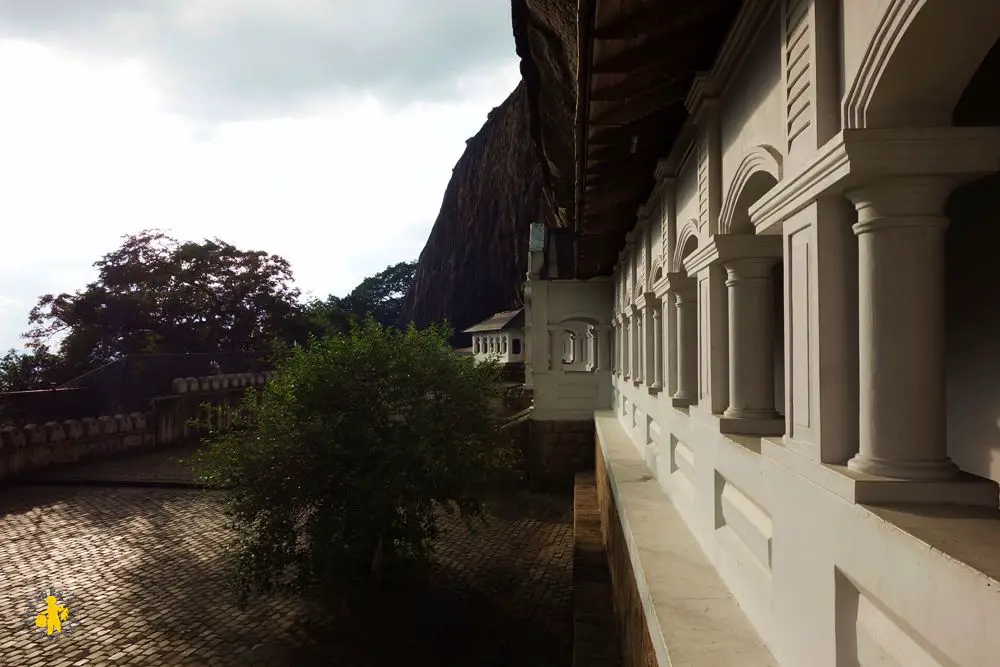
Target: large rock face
476,255
517,170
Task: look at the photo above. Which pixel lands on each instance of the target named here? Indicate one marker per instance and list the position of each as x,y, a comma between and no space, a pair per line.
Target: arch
656,274
687,233
584,318
919,61
760,166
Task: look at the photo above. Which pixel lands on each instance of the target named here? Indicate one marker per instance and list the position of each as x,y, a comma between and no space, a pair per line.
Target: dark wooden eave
637,60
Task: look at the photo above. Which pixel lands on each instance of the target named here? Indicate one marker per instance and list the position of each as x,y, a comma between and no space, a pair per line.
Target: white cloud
90,153
229,59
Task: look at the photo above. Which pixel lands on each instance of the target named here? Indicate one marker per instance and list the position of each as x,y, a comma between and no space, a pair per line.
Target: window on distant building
515,346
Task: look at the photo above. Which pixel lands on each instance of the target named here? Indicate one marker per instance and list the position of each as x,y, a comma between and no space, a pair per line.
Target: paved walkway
141,570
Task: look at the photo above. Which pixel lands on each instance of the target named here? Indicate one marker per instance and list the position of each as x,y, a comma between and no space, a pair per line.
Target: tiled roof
508,319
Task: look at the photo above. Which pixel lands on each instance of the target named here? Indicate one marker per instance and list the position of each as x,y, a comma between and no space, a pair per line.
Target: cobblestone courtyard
144,577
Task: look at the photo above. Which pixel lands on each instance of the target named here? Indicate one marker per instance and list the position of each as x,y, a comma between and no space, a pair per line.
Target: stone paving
142,572
156,467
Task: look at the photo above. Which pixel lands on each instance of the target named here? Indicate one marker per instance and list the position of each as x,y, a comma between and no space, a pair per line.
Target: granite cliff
508,177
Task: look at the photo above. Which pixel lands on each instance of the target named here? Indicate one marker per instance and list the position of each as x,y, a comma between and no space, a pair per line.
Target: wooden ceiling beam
667,55
640,106
615,153
632,83
620,205
622,134
657,18
613,167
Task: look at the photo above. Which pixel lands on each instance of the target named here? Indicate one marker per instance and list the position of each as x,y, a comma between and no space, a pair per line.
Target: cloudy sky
321,130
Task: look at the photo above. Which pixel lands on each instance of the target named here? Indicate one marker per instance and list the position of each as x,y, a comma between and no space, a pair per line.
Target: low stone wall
554,451
196,405
38,446
633,633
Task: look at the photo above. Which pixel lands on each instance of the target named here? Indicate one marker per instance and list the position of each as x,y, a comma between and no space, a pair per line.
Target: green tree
157,294
24,370
379,297
350,453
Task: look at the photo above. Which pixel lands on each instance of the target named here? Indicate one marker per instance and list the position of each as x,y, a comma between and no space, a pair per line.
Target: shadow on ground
147,575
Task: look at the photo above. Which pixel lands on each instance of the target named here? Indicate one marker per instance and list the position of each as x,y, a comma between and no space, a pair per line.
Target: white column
900,230
657,375
626,348
555,349
751,338
636,346
686,303
602,348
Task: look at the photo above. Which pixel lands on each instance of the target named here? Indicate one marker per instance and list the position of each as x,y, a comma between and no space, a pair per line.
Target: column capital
646,300
727,247
892,203
685,297
749,268
680,282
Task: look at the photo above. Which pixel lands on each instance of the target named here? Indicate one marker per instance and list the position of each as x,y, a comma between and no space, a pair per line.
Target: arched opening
756,187
515,346
755,316
972,283
568,347
684,362
904,80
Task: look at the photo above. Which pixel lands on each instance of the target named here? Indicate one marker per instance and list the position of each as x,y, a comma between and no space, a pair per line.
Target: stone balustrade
212,383
196,403
37,446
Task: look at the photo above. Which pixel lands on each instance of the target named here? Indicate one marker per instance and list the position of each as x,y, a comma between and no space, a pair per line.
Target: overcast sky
321,130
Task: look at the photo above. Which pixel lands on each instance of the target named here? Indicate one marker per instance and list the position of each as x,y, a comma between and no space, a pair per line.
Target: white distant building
499,337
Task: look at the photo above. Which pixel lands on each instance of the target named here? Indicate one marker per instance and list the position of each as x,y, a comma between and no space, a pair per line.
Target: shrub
349,454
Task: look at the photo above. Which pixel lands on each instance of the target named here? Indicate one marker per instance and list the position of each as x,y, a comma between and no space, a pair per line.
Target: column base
740,413
682,399
654,389
906,470
752,422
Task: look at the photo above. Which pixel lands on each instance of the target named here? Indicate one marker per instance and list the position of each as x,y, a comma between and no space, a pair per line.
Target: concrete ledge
692,618
858,487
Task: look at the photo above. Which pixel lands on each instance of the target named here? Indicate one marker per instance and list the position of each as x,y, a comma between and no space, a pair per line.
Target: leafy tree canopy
379,297
27,370
356,445
157,294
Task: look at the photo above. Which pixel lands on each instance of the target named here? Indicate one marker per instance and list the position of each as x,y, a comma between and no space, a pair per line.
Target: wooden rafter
622,134
612,167
640,106
678,55
615,152
657,18
633,83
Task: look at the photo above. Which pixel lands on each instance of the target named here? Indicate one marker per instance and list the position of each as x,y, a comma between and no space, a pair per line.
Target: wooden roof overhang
637,61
